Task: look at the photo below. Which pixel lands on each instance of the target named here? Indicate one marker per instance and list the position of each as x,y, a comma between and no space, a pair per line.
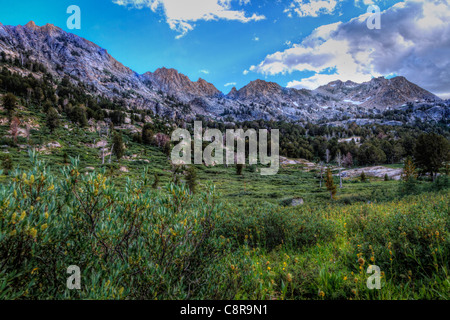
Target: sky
295,43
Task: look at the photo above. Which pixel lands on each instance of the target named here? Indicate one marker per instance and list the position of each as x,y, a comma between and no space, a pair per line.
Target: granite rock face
173,94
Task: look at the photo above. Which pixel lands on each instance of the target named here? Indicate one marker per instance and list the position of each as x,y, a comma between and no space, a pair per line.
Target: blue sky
232,42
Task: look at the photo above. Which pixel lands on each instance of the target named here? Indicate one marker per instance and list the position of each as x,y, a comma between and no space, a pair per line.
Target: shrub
270,226
191,178
7,163
363,177
409,237
135,244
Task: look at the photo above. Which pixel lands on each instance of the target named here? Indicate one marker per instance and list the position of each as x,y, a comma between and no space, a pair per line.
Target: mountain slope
172,82
64,54
378,93
170,93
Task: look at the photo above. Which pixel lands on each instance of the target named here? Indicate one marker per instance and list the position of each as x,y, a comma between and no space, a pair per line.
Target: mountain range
170,93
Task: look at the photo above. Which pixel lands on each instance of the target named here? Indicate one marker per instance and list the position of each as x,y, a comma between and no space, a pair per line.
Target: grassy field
238,240
291,181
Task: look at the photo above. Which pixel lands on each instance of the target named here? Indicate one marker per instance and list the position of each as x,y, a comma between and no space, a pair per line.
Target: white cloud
358,3
182,14
256,39
204,71
311,8
414,42
229,84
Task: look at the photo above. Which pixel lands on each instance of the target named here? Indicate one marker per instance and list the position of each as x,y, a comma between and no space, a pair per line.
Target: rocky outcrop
378,172
172,94
174,83
379,93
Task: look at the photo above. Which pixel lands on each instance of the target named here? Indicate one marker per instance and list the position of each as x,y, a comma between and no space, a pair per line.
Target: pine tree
431,152
52,119
409,170
409,178
191,179
330,184
363,177
9,103
118,147
147,134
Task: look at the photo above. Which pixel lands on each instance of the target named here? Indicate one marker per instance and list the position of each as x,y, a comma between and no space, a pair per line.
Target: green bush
407,238
270,226
136,244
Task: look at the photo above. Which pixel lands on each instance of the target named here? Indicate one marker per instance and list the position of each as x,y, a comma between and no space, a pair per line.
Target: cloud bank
414,42
311,8
181,15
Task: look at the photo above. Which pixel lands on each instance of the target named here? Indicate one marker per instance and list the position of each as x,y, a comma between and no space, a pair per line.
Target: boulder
297,202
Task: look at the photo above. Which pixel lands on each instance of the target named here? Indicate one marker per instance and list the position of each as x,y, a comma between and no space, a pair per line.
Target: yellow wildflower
33,232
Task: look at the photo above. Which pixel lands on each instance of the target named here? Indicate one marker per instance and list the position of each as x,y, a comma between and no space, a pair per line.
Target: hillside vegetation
142,243
87,181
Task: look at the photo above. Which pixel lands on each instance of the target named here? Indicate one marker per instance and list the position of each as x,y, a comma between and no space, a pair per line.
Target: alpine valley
171,94
91,199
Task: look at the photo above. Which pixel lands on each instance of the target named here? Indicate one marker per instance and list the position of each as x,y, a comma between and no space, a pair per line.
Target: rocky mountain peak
48,28
233,93
178,84
258,88
380,93
68,55
31,25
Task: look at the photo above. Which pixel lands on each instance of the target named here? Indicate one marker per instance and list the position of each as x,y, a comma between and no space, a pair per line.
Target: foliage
141,243
9,103
431,151
7,163
155,181
118,147
134,240
52,119
363,177
409,170
191,178
136,244
329,182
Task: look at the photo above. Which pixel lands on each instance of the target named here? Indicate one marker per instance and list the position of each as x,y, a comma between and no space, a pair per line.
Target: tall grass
142,243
